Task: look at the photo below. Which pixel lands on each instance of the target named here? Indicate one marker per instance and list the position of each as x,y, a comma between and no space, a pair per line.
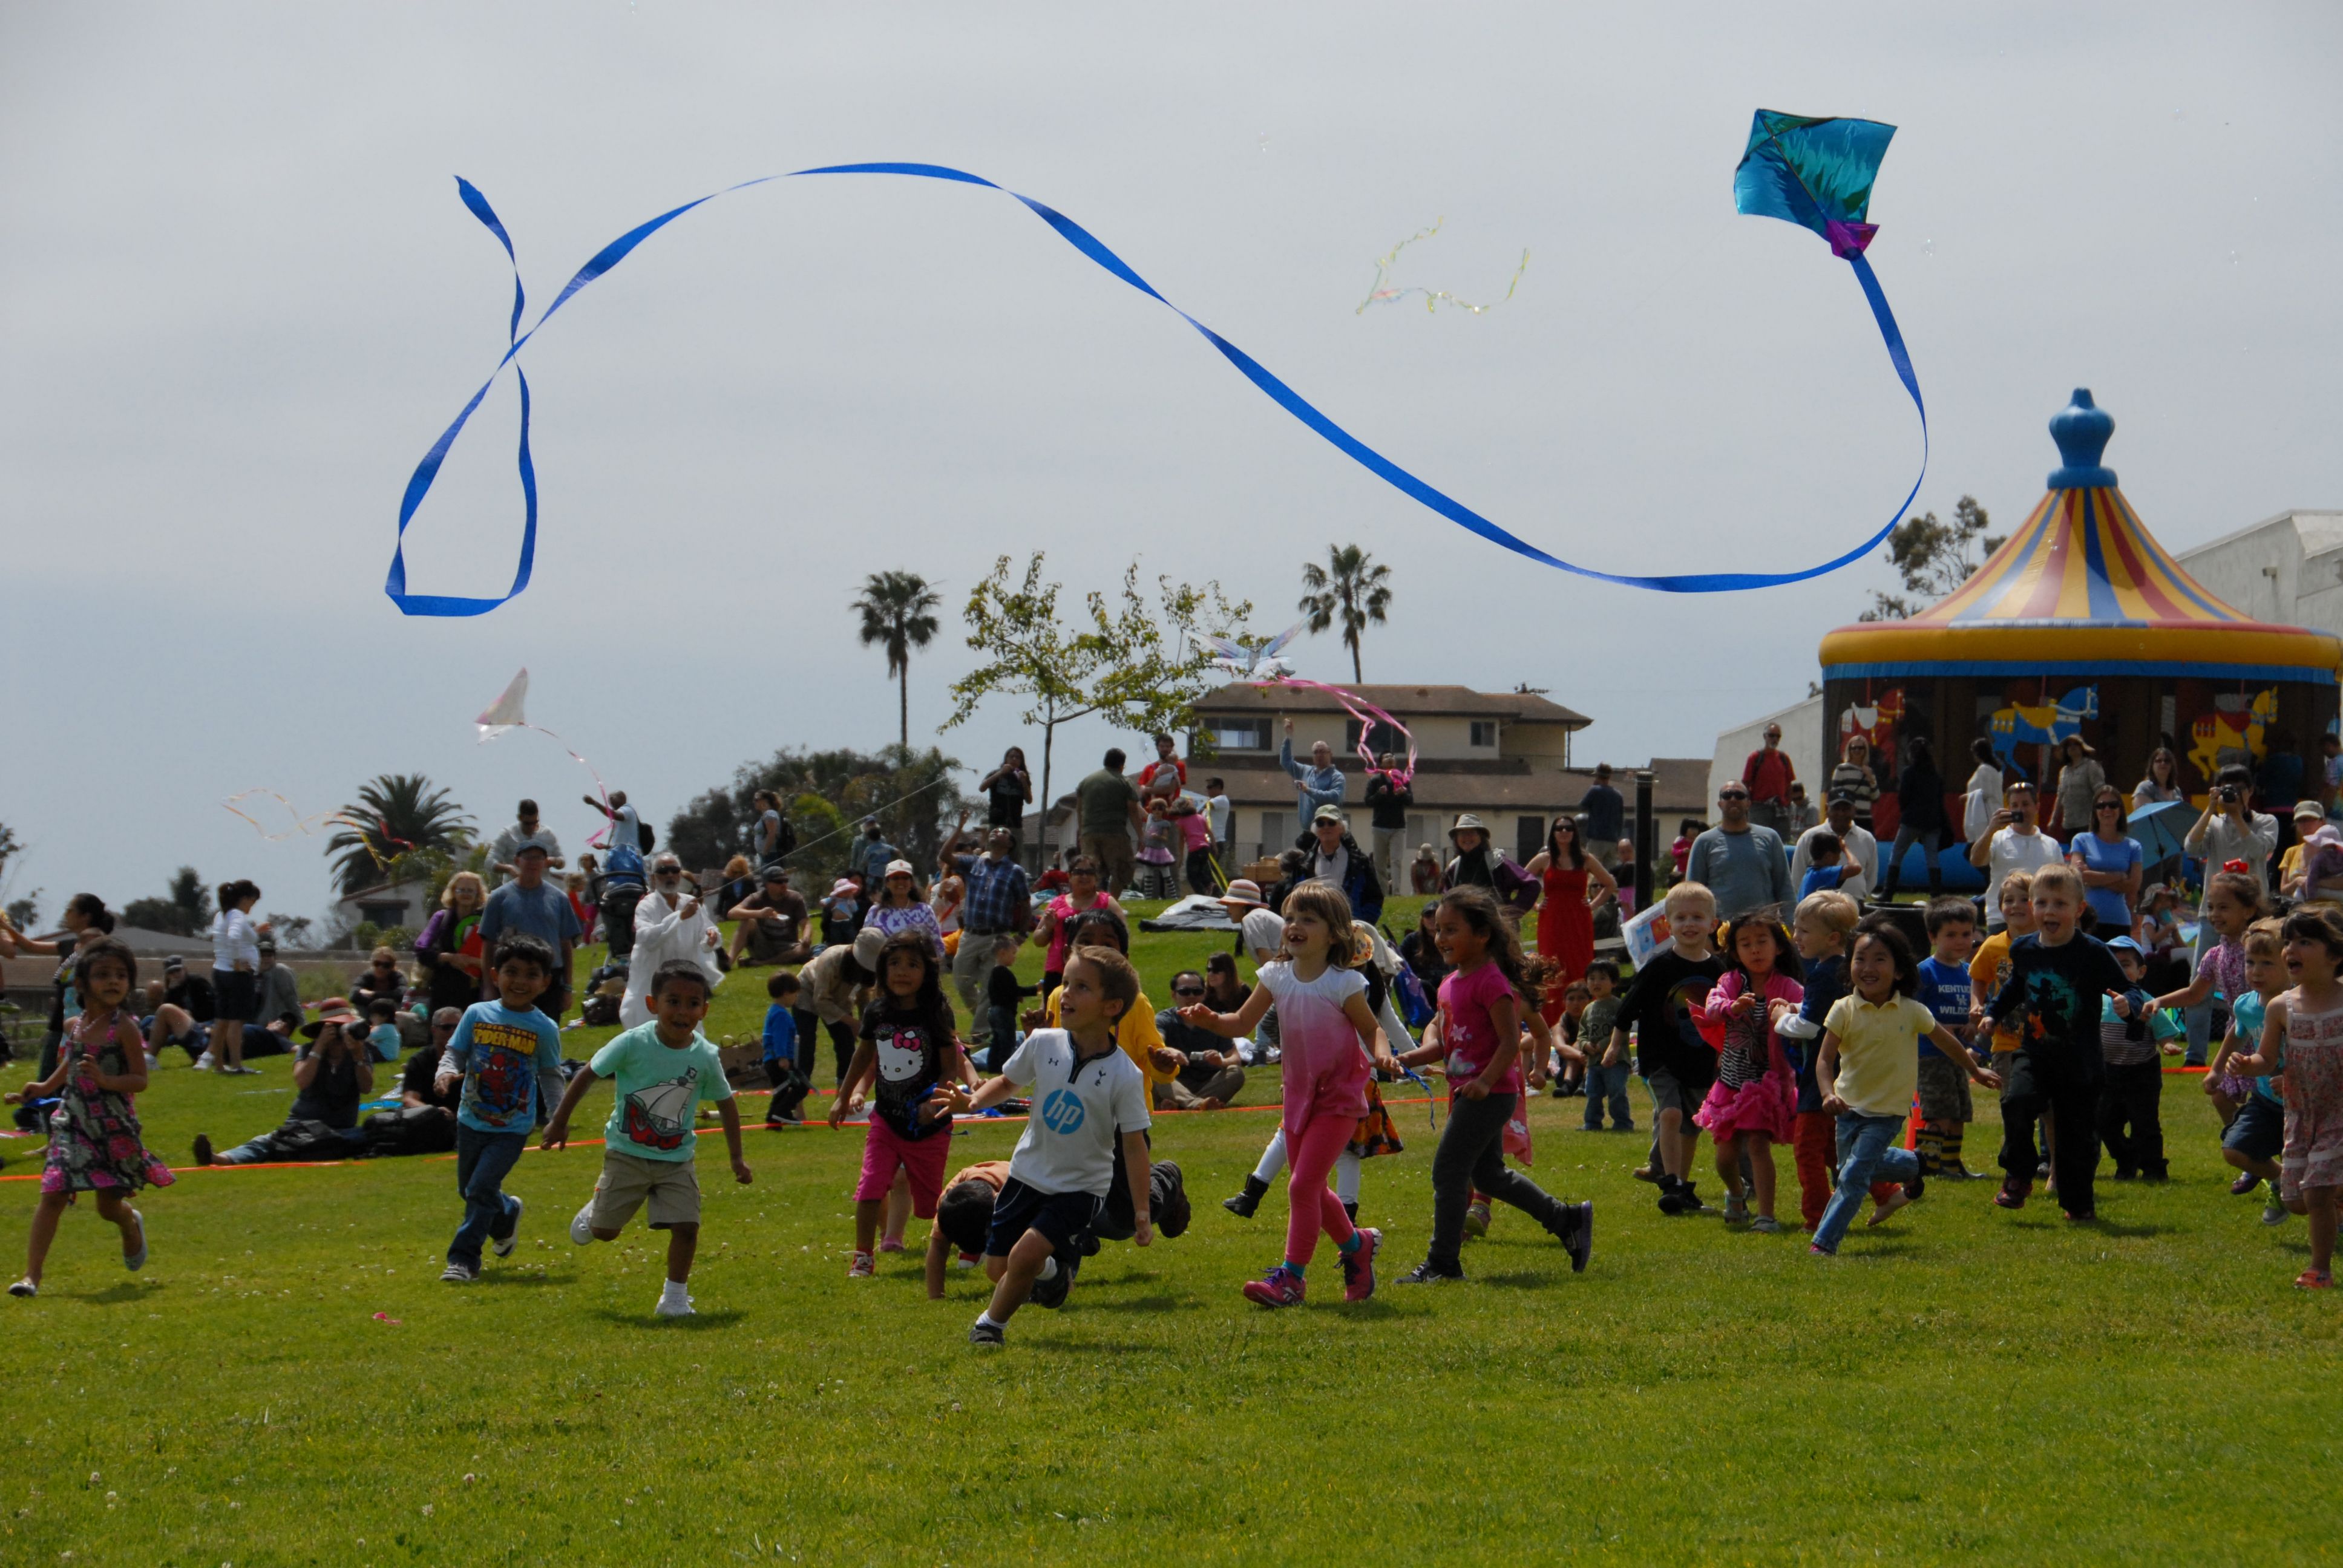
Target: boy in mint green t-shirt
663,1070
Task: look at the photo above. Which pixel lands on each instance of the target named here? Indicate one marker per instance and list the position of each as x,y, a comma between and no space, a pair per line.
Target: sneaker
1359,1266
1916,1188
1280,1287
204,1148
985,1337
25,1288
1656,1177
1690,1198
1814,1251
1577,1234
2088,1217
670,1306
1959,1173
1765,1225
2012,1195
890,1243
504,1248
2315,1279
1476,1220
1424,1273
133,1262
1051,1293
458,1274
2244,1184
582,1225
862,1267
2042,1171
1736,1209
2273,1212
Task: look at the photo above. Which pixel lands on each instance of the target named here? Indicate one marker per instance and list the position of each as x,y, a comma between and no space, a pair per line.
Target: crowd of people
1781,1010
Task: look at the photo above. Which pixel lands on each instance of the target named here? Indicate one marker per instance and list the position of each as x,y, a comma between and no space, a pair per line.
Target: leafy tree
9,844
1934,559
185,910
1350,587
402,813
826,795
898,614
293,930
1134,663
25,913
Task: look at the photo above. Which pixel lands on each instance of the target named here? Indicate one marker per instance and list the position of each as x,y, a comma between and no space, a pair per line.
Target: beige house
1504,756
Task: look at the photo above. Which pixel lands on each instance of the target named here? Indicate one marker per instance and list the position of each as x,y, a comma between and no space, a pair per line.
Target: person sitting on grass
381,979
1208,1079
333,1074
2302,1036
506,1051
963,1215
382,1040
1869,1068
419,1082
1064,1161
663,1070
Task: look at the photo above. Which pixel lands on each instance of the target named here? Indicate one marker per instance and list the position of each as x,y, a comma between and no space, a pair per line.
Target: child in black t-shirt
1002,992
2057,979
911,1059
1677,1064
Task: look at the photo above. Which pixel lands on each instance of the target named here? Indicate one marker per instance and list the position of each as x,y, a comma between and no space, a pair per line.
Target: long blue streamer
1083,240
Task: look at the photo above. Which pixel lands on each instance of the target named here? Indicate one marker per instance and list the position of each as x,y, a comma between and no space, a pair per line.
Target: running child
1868,1069
792,1083
506,1052
2302,1036
664,1070
1753,1104
1988,973
1324,1022
1059,1173
909,1051
1605,1085
94,1134
1482,1004
2258,1134
1822,929
963,1215
2057,979
1663,1003
2131,1122
1946,991
2233,900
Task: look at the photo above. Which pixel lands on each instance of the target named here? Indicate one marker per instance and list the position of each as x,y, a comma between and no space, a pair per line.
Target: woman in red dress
1572,885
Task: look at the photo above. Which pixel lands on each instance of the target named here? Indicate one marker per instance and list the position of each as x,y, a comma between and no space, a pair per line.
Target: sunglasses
669,873
1187,990
1733,795
2106,806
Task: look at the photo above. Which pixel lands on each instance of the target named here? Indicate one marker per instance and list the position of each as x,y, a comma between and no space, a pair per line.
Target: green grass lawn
1964,1384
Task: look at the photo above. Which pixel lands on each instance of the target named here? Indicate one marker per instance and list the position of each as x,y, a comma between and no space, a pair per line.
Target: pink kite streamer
1367,714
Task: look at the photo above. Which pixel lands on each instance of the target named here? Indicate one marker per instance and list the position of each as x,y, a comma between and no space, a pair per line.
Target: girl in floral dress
94,1144
2302,1036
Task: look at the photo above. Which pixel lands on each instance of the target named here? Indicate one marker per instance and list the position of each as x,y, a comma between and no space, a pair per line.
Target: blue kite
1817,173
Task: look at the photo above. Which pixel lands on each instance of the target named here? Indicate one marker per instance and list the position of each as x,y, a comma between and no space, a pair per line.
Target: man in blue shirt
1320,784
1605,816
530,905
1742,863
998,908
868,859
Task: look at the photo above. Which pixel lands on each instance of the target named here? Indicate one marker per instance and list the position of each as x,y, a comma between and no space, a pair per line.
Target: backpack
409,1129
625,863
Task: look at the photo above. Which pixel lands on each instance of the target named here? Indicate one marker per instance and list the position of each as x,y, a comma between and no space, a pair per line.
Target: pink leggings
1312,1204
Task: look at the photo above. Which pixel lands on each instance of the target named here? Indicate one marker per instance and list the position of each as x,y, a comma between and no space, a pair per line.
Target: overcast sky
240,299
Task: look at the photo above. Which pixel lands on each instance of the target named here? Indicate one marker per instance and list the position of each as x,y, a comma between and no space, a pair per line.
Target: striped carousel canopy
2082,588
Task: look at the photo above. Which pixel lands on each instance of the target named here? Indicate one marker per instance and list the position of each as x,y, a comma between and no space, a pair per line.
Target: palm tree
896,609
1351,586
395,813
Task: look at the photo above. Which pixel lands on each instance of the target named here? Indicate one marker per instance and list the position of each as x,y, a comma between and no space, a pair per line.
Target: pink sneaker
1280,1287
890,1243
1359,1266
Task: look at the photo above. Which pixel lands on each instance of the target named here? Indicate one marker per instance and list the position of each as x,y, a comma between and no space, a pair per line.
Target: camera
2226,794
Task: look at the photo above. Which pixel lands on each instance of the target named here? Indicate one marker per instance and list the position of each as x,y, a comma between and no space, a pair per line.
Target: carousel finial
2081,429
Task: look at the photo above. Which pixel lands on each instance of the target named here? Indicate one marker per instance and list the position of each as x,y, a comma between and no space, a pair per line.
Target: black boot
1350,1207
1245,1203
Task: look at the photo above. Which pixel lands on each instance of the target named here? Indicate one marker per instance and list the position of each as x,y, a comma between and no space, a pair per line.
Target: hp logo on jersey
1062,1112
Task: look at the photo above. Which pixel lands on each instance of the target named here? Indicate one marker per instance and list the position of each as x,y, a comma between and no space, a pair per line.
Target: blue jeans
1866,1152
2199,1018
1607,1083
483,1160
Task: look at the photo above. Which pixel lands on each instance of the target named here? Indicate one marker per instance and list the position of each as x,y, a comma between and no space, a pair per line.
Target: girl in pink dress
2302,1036
1323,1019
1081,896
1753,1105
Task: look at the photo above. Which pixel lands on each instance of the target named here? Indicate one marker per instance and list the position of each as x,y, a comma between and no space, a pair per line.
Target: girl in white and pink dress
1753,1103
2302,1036
1323,1019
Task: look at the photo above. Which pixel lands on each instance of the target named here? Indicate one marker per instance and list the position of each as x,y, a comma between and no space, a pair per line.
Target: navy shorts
1060,1216
2259,1130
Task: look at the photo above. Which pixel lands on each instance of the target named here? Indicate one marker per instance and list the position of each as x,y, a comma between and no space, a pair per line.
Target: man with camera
2230,830
2013,841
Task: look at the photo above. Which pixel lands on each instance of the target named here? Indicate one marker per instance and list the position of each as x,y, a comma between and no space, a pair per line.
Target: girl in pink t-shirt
1753,1105
1481,1009
1321,1020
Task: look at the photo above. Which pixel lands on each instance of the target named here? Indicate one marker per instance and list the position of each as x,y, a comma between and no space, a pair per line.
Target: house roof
1400,702
1679,785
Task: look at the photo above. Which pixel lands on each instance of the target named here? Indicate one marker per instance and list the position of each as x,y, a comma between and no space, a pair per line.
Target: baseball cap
2127,945
1328,814
2309,809
901,869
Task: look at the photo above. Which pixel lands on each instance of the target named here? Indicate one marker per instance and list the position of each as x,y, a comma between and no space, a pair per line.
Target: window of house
1238,734
1381,737
1484,732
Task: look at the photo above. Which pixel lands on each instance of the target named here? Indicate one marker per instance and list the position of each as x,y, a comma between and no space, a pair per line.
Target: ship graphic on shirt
658,1115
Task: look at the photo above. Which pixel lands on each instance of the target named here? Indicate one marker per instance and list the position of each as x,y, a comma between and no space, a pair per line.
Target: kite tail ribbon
426,472
1367,714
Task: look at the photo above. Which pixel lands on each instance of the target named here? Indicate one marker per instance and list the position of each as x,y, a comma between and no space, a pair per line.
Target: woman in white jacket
668,924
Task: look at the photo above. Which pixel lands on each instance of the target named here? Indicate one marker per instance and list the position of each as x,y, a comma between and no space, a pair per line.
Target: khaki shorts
1113,852
629,1180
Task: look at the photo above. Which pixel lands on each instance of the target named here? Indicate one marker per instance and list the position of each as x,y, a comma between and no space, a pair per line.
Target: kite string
426,471
1378,293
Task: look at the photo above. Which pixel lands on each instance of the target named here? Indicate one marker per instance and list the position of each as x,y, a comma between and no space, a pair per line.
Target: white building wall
1802,737
2287,569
